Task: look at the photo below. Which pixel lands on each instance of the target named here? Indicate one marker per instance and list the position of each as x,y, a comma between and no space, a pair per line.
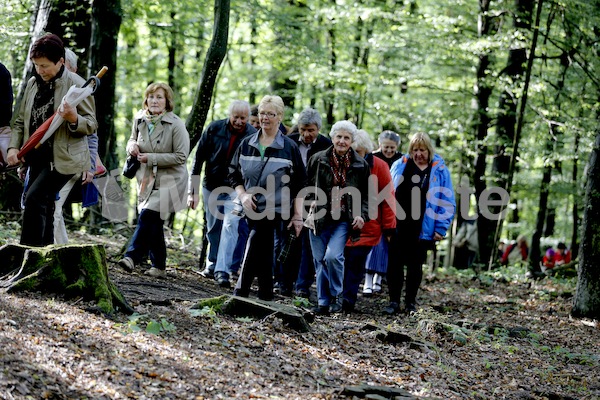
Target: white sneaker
157,273
127,264
376,283
368,285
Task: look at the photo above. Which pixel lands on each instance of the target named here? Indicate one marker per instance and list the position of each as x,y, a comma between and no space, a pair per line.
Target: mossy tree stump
72,270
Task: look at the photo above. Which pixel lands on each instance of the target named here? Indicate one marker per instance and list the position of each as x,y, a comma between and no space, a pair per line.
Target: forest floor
498,336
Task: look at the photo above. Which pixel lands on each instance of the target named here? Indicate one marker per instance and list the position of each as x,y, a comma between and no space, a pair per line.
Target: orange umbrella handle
101,73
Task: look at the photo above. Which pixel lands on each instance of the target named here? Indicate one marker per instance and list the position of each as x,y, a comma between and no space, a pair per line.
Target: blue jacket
440,206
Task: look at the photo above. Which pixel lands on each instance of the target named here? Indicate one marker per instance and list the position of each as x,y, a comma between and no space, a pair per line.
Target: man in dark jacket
216,148
302,269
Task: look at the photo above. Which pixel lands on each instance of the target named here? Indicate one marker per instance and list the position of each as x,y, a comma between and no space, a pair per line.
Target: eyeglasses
267,114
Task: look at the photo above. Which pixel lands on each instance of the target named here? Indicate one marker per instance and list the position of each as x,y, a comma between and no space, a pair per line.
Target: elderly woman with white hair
340,176
388,147
377,230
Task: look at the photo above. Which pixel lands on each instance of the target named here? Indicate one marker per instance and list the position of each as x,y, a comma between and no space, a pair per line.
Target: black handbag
131,166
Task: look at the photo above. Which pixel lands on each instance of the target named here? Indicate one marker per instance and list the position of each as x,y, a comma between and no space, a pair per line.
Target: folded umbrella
74,96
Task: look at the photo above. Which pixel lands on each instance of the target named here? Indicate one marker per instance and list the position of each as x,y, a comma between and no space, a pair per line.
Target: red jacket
553,258
385,221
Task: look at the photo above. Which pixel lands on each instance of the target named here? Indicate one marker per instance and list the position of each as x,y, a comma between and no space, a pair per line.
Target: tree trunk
39,21
510,122
70,19
483,91
575,209
72,270
587,296
550,223
106,22
554,132
507,118
535,255
214,57
329,95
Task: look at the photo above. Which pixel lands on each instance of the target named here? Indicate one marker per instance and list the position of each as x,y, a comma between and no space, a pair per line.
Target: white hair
362,141
345,126
240,105
71,59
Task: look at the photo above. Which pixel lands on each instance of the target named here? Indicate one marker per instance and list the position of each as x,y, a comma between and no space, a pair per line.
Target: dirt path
492,338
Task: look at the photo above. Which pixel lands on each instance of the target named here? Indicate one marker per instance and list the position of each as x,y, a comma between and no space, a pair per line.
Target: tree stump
72,270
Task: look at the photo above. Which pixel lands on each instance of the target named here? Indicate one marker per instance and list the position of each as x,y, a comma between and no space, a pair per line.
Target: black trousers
410,253
38,216
258,261
354,270
149,240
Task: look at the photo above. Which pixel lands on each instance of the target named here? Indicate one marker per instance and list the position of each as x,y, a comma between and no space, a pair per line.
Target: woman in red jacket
379,227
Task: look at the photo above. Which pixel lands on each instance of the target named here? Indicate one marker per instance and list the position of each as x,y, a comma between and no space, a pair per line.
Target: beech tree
212,63
106,22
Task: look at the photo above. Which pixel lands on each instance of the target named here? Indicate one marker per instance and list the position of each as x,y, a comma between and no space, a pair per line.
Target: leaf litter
472,338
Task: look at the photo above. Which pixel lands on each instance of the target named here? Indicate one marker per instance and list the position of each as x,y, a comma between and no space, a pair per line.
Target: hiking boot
335,308
347,307
305,294
207,273
127,264
156,273
410,308
223,280
320,310
391,309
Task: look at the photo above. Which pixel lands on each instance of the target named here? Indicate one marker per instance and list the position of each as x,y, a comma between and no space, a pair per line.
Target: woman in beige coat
160,142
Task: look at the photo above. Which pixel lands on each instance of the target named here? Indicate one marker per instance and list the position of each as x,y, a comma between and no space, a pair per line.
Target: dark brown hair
49,46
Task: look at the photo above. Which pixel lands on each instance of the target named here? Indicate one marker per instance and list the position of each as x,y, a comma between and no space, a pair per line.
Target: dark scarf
339,168
42,109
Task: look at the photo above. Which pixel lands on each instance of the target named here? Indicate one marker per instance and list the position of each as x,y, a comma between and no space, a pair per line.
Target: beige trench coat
162,181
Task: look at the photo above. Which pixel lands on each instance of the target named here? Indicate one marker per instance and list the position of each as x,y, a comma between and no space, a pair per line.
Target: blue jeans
148,240
328,253
229,237
214,225
240,247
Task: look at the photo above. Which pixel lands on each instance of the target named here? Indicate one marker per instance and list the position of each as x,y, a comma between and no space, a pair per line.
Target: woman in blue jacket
424,211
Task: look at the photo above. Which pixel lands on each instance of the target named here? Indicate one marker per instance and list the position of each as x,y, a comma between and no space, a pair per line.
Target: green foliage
205,312
142,322
301,302
356,56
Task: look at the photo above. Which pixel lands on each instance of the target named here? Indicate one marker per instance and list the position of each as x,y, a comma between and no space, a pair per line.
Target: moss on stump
72,270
